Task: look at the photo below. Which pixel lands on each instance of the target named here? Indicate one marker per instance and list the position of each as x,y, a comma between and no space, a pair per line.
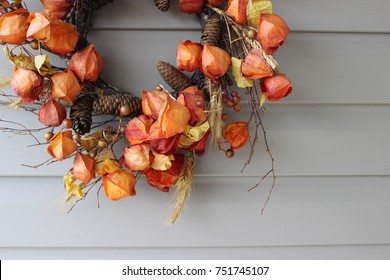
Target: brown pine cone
95,4
81,114
163,5
172,76
111,104
211,31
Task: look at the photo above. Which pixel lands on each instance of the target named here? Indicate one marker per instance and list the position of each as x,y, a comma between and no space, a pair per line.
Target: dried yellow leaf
106,163
21,60
43,65
241,81
193,134
72,188
162,162
257,7
262,101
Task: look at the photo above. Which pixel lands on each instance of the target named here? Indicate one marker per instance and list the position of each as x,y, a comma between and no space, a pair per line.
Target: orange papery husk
87,64
237,10
173,119
119,184
62,145
194,101
254,66
272,31
188,56
64,85
52,113
236,134
191,6
166,146
162,180
153,102
58,7
137,129
137,157
27,84
215,2
276,87
215,61
13,26
63,38
83,168
40,24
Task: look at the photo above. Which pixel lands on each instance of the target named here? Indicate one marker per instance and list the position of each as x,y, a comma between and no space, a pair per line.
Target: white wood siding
330,139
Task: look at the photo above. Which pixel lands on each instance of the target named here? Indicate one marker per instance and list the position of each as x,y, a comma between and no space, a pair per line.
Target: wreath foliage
166,129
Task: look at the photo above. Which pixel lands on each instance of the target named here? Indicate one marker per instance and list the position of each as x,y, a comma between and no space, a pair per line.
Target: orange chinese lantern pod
191,6
137,129
27,84
173,111
64,85
137,157
83,168
13,27
119,184
153,102
215,2
166,146
52,113
215,61
40,25
237,10
272,31
62,145
87,64
236,134
162,180
188,56
276,87
254,66
195,104
63,38
58,7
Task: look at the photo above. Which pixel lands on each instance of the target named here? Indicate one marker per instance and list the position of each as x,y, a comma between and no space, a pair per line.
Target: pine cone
94,4
172,76
111,104
81,114
163,5
211,31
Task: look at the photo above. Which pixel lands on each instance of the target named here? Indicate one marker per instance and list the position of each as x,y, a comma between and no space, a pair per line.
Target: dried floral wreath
165,130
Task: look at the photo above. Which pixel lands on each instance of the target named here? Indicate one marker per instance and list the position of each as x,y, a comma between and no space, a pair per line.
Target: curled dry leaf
272,31
87,64
236,134
161,162
42,64
193,99
256,8
65,86
62,145
215,61
52,113
119,184
276,87
166,146
83,168
254,66
106,163
27,84
72,188
241,81
188,56
13,26
237,10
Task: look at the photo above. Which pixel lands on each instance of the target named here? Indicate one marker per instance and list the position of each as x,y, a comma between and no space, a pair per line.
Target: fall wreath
165,130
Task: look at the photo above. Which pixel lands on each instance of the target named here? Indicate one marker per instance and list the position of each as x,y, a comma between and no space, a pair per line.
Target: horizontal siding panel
301,15
302,211
351,252
306,140
324,68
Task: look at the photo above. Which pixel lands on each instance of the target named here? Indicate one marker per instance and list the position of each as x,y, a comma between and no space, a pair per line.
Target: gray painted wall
330,139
